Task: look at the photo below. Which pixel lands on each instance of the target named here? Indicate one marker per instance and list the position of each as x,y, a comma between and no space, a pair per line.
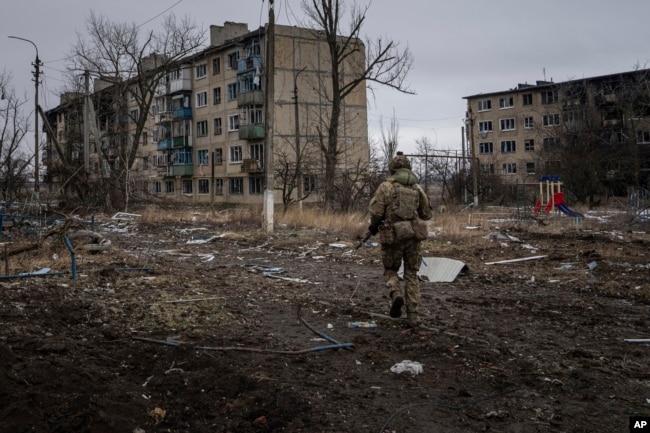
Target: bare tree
133,64
291,165
389,138
385,64
14,164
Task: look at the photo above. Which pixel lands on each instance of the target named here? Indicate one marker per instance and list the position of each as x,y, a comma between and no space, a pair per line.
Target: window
218,156
507,124
133,116
643,137
232,91
309,184
484,104
202,128
485,126
156,187
233,122
218,186
201,71
216,96
236,154
187,186
254,116
551,120
487,168
485,148
204,186
530,168
232,60
217,126
169,186
202,157
508,146
202,99
529,123
160,160
255,185
145,138
256,151
549,97
236,186
529,145
507,102
552,167
527,99
216,66
509,168
550,143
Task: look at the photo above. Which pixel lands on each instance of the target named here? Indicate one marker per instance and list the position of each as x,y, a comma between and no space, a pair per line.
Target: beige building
598,125
205,139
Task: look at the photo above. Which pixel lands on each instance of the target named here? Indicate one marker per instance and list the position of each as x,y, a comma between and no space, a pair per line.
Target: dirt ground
199,327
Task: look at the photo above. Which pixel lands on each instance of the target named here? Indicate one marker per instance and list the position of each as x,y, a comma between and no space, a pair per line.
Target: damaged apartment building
592,133
206,135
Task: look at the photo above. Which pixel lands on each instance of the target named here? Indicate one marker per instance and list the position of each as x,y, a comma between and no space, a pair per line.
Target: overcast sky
461,47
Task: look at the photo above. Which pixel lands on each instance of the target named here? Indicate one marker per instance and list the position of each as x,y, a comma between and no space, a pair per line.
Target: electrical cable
151,19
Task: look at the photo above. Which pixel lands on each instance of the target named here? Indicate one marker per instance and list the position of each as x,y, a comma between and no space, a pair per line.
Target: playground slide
565,210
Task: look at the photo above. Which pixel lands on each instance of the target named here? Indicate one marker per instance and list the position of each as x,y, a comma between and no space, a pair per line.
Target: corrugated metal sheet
438,269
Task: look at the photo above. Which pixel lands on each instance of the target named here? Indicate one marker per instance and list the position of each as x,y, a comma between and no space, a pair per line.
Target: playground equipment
554,197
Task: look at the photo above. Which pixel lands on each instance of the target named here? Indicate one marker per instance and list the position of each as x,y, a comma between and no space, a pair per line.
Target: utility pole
86,126
297,139
37,71
269,200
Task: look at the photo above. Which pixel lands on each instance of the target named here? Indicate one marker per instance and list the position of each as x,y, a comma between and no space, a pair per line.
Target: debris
523,259
212,298
412,367
157,414
338,245
371,324
203,241
438,269
502,236
125,216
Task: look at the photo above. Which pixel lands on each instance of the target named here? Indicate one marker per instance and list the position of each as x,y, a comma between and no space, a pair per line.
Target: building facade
592,133
205,137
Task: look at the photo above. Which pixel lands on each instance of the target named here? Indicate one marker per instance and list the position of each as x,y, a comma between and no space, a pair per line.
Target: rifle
364,240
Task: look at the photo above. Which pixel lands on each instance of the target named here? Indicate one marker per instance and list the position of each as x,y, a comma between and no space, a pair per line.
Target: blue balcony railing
182,113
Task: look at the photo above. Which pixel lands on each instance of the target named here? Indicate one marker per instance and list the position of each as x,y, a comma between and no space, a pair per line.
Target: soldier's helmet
400,161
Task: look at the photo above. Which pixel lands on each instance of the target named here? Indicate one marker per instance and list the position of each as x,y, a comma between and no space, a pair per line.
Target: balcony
253,97
182,113
251,132
181,141
164,144
180,170
249,63
252,166
180,85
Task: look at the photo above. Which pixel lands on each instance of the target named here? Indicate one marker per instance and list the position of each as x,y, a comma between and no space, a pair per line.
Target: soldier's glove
373,229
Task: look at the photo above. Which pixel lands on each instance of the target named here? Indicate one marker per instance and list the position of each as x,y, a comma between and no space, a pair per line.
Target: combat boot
396,306
413,319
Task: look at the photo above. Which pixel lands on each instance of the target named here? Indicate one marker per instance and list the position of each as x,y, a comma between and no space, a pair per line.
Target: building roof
546,84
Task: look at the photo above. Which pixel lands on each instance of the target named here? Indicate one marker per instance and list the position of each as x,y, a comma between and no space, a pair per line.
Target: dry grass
353,224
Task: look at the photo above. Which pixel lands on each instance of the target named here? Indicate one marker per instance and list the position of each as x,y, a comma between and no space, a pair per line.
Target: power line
418,120
161,13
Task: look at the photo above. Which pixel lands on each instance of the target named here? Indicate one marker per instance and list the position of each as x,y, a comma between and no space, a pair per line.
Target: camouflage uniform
408,250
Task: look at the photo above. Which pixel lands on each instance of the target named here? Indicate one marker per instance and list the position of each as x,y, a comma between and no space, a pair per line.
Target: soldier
398,212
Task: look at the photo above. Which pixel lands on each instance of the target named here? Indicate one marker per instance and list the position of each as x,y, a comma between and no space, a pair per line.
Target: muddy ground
199,327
